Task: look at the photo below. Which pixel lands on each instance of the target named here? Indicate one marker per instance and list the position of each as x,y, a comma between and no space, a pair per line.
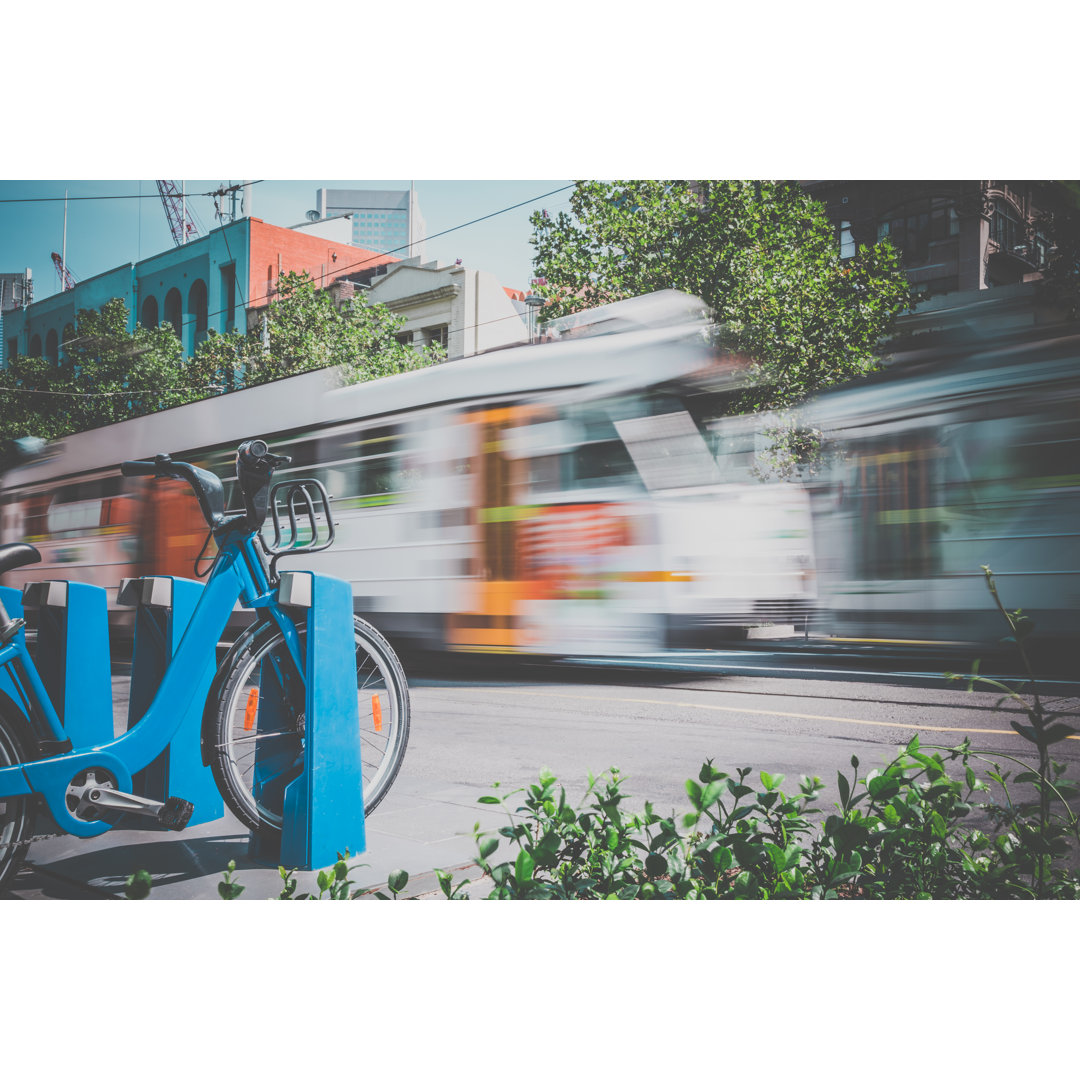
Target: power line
96,198
108,393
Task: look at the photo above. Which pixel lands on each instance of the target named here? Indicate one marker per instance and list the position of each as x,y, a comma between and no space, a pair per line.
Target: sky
103,233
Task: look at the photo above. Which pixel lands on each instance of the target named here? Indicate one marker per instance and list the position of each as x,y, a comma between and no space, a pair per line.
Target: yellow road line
756,712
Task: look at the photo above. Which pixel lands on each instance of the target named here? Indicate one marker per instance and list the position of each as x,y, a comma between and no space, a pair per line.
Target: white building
384,221
465,310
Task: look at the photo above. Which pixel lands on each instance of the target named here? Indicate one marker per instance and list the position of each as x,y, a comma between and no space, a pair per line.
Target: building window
435,335
847,241
174,311
917,224
52,347
228,293
197,305
35,345
149,316
1007,228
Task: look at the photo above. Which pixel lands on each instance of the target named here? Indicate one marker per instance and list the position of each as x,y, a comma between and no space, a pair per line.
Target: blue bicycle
253,719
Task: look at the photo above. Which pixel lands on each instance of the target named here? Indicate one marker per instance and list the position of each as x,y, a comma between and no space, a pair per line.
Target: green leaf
1026,730
656,865
693,791
487,846
845,788
137,887
1056,733
524,866
711,794
489,799
397,881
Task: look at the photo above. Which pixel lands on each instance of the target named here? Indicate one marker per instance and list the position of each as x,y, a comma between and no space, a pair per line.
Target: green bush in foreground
902,836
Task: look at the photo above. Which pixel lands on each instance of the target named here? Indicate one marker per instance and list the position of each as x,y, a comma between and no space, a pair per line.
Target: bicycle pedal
176,813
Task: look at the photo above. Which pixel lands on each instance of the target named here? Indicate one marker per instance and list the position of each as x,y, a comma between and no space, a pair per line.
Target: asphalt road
658,723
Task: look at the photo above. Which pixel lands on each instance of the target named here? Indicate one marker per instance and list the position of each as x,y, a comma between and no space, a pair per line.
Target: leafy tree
304,329
105,374
762,254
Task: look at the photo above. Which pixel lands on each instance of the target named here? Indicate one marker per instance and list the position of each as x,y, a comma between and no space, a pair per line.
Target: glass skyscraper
388,222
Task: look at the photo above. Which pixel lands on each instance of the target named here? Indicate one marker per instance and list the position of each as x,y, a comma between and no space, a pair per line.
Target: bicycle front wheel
258,748
16,814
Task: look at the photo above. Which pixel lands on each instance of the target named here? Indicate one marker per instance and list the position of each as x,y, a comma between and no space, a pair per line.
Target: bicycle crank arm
174,813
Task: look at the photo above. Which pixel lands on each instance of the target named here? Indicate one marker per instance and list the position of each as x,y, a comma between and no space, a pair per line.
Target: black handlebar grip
252,452
138,468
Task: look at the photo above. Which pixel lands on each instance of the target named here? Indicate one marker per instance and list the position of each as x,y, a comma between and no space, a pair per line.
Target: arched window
270,280
52,347
35,345
914,225
174,311
197,304
149,316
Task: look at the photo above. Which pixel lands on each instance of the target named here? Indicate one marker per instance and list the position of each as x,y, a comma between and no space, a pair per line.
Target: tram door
490,619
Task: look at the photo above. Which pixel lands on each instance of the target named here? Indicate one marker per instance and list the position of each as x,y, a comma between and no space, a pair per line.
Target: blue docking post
13,605
323,804
163,609
72,657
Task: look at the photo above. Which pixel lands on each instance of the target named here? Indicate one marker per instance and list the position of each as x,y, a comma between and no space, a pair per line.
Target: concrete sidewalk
411,832
415,828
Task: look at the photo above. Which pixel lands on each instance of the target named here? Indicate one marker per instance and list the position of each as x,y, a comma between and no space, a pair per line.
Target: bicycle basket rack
300,513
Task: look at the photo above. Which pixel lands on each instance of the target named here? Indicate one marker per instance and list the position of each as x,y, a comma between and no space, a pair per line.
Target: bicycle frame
239,573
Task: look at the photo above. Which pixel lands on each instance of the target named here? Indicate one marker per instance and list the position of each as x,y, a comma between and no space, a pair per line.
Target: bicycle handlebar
255,467
206,485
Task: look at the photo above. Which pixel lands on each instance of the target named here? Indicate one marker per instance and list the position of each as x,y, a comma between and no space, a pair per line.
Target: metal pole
63,249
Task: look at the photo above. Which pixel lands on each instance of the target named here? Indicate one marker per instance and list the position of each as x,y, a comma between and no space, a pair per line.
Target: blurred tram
560,498
965,455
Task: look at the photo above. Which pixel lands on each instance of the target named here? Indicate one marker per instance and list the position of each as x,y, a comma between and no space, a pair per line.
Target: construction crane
67,279
182,227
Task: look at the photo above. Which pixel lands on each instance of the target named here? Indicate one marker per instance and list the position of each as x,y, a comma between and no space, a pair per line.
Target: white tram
552,499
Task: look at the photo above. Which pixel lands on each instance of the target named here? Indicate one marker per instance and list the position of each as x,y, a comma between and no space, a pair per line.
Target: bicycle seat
12,556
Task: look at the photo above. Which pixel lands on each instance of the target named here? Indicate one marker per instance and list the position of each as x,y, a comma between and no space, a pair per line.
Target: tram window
601,464
37,514
75,508
894,489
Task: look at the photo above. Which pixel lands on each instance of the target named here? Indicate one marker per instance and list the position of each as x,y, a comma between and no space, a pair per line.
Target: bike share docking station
302,712
323,803
163,608
72,656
